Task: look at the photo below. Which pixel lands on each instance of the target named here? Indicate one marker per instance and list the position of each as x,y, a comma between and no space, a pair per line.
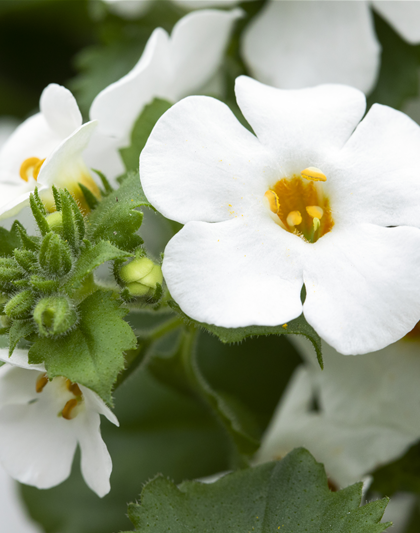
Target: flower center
301,205
30,168
69,393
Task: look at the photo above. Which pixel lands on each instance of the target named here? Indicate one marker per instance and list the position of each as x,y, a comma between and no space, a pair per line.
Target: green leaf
298,326
91,258
141,131
19,330
93,354
116,218
9,240
398,75
291,495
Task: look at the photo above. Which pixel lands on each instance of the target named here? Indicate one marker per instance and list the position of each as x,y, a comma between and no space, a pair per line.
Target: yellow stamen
273,200
315,211
313,174
30,167
67,412
74,388
41,382
317,224
294,218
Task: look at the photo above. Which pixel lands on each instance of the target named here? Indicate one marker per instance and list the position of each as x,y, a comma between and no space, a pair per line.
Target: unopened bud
20,305
26,259
55,222
141,277
55,255
54,316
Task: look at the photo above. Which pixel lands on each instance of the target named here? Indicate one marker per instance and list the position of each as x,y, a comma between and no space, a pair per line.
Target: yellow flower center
72,406
30,168
301,205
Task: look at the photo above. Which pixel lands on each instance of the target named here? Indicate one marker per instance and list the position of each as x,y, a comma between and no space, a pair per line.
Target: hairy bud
141,277
54,315
20,305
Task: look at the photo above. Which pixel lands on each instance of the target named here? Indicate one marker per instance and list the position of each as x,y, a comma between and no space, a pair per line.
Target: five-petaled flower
305,201
42,422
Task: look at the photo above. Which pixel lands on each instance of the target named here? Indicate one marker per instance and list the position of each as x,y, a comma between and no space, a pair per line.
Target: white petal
399,511
17,385
200,4
193,60
375,177
403,15
95,462
361,286
60,110
118,106
94,403
200,161
19,358
7,127
103,154
235,273
302,127
65,164
300,44
129,9
36,446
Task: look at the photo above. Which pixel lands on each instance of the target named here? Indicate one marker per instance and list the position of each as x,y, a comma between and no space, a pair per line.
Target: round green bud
54,315
20,305
141,277
55,221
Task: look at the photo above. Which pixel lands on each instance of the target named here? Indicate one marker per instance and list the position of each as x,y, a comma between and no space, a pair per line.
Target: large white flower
258,227
299,44
42,422
369,410
171,67
47,149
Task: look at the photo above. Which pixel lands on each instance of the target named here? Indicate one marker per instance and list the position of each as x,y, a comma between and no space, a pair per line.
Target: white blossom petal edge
42,422
304,201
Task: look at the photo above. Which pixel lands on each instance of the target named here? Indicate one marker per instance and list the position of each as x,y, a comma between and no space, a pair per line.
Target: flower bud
20,305
9,270
55,255
55,222
54,315
141,277
26,259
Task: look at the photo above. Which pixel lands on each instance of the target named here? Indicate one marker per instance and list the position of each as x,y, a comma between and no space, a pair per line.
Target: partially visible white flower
130,9
298,44
47,149
170,67
307,200
369,410
7,127
42,422
14,517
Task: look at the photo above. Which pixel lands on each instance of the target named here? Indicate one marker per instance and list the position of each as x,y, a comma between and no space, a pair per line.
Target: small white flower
170,67
42,422
258,227
368,410
299,44
47,149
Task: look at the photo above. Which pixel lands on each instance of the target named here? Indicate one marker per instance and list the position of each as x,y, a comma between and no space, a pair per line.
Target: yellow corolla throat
301,206
30,168
71,393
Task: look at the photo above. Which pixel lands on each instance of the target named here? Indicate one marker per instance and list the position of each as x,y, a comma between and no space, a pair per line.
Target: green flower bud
20,305
54,315
55,255
141,277
26,259
55,222
9,270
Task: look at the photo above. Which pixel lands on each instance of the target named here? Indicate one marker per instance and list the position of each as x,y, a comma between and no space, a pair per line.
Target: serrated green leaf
116,218
141,131
91,258
19,330
9,240
291,495
93,354
298,326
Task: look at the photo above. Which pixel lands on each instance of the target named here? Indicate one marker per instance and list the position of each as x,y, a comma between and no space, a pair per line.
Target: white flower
369,410
47,149
299,44
129,9
258,227
42,422
171,67
14,517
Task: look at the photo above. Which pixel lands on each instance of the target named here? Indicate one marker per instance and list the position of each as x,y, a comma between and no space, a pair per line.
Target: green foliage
19,330
116,218
141,131
290,495
298,326
9,240
92,354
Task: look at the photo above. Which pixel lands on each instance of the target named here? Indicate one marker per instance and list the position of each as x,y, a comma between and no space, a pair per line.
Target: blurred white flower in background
170,67
368,409
258,227
299,44
42,422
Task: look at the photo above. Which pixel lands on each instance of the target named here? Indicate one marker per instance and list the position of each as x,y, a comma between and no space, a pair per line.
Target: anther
74,388
315,211
67,413
41,382
294,218
30,167
273,201
316,223
313,174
